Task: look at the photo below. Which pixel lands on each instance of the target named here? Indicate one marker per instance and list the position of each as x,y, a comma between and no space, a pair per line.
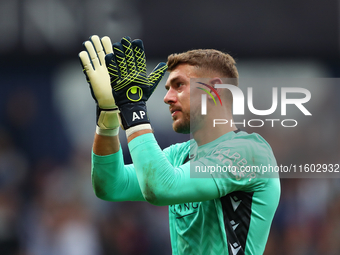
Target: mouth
174,111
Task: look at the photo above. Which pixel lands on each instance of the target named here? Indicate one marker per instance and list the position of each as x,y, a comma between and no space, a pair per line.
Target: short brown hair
209,59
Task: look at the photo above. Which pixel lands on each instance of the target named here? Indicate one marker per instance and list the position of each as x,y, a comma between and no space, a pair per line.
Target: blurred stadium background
47,206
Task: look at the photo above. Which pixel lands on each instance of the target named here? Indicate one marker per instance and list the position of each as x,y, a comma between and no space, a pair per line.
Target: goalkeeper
223,213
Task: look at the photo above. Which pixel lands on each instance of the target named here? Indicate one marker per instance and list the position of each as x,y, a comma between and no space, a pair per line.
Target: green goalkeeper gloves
94,68
131,87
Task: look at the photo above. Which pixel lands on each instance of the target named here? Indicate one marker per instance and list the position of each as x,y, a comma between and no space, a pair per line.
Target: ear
216,80
215,92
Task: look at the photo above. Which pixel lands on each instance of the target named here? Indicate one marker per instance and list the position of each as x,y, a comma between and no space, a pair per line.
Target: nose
170,97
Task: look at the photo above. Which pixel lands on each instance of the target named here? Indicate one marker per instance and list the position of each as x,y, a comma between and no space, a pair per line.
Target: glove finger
112,69
120,58
129,55
93,54
85,61
106,42
138,49
98,48
87,68
157,74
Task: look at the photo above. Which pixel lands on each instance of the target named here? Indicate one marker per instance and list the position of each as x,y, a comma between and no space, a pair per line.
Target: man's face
178,96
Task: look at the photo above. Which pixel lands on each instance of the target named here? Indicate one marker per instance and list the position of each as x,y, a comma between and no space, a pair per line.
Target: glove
131,87
94,68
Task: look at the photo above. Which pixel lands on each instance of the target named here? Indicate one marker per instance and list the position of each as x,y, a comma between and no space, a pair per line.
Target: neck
208,133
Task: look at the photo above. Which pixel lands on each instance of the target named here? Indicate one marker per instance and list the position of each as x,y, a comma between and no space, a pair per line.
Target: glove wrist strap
108,118
107,132
134,129
133,114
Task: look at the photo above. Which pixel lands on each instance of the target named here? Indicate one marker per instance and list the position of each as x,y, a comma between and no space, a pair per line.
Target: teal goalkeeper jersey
236,222
239,221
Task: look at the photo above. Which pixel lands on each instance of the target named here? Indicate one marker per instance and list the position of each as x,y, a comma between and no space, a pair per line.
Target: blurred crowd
47,206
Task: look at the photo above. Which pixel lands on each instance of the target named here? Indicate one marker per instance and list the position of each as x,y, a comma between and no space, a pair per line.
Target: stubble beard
189,123
182,126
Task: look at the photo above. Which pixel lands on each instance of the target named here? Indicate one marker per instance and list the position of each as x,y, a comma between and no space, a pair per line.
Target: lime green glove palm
95,70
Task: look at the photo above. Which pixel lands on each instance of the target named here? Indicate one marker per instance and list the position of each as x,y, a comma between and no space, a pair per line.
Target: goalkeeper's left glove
94,68
131,87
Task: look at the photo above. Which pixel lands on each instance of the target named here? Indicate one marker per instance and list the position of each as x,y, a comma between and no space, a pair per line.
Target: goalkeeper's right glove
131,86
94,68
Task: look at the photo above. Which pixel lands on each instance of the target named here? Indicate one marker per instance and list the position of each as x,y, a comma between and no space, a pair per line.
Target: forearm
162,183
114,181
111,179
138,133
105,145
150,164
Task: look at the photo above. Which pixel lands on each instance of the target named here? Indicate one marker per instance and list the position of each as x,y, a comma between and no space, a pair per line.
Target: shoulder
249,140
251,147
243,159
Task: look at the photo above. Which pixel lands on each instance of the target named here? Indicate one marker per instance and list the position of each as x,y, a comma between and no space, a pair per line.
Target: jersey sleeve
114,181
162,182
